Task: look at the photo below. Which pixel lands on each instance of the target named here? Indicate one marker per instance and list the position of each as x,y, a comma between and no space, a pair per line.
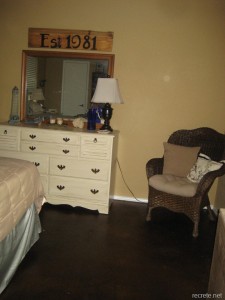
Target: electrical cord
121,172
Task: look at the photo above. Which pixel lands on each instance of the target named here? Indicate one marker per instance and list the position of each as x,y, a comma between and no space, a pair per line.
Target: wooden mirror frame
25,53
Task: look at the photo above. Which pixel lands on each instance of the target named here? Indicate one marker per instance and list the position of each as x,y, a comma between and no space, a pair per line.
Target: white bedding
20,186
17,243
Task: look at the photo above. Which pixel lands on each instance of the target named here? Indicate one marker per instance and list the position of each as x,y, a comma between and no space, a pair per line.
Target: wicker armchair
212,144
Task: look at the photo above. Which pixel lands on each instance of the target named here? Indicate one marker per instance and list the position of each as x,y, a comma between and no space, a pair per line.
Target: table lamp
37,96
107,91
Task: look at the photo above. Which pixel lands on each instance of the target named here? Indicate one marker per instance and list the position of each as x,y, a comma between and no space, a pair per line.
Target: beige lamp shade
107,91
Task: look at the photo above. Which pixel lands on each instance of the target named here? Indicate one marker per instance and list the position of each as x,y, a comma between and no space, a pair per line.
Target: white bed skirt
17,243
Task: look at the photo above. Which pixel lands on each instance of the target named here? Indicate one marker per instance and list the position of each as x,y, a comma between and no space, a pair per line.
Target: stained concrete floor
88,256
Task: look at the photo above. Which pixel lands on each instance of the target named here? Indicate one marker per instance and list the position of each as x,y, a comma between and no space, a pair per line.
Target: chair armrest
208,179
154,166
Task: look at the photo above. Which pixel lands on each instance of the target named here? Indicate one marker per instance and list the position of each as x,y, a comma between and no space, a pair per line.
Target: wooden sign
70,39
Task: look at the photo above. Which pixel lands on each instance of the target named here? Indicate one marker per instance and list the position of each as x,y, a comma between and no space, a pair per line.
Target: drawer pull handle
36,164
61,167
32,148
94,191
66,151
66,139
32,136
95,170
5,132
95,140
60,187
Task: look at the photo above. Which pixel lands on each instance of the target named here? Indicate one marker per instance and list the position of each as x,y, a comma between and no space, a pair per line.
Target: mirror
60,83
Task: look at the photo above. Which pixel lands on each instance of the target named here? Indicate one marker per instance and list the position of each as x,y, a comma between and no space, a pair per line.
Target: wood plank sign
70,39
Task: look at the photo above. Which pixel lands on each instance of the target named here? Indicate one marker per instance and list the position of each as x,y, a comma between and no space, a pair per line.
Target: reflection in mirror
60,83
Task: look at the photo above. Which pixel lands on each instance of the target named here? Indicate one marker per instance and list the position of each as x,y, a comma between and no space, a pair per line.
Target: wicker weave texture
212,143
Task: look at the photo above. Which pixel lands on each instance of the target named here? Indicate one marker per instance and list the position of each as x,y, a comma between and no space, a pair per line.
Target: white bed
21,198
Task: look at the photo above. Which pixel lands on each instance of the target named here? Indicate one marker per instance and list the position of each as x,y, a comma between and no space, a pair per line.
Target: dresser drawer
9,131
78,188
50,148
9,138
50,136
40,160
96,146
44,180
98,170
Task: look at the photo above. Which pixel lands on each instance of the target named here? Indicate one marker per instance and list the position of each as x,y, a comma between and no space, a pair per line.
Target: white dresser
77,166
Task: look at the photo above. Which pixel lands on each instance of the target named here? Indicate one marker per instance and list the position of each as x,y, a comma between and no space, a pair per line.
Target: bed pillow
178,160
203,165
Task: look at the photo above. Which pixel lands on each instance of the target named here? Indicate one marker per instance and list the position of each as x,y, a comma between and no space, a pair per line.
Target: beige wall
170,62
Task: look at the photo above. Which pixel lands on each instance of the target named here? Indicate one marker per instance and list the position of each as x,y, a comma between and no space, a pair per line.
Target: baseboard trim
143,200
129,199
